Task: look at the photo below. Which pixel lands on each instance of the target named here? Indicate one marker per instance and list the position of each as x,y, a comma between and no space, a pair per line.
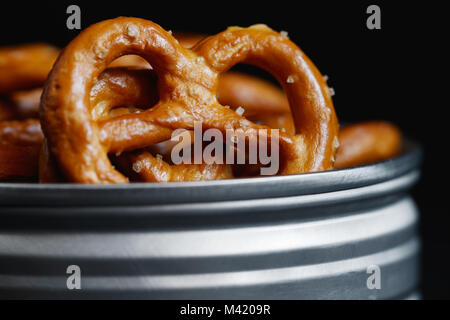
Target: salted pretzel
24,69
234,89
117,91
187,85
263,102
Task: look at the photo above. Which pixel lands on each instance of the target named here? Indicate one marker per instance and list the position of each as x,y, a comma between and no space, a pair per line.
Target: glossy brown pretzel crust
187,85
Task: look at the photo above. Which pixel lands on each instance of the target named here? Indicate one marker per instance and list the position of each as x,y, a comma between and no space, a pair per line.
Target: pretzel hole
131,61
258,93
254,71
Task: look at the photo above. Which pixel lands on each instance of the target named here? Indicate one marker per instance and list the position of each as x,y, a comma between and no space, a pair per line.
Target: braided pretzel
187,89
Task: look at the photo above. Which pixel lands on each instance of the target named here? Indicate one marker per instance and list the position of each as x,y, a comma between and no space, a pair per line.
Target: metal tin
326,235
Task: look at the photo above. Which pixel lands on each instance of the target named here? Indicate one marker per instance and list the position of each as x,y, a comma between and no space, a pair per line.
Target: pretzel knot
187,87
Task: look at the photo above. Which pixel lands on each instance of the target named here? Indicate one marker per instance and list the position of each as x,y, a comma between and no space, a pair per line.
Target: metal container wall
327,235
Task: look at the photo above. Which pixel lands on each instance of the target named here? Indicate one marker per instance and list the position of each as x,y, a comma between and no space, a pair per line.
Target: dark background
396,73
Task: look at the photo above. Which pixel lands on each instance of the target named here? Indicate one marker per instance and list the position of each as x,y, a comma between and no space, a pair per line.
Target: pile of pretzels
103,109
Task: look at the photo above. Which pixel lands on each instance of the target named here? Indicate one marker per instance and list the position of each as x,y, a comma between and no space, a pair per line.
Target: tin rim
27,194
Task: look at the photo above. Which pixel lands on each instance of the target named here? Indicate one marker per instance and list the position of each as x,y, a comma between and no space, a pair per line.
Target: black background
396,73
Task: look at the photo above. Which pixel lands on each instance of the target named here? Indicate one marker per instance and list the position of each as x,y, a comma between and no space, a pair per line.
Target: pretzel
116,91
20,161
263,102
21,68
127,88
24,104
20,142
145,167
367,142
187,89
25,66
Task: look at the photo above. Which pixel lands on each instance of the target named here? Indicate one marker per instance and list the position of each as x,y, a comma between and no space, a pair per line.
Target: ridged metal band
312,236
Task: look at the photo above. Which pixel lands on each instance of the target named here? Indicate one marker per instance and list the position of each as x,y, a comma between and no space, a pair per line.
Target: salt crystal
137,167
284,34
243,123
332,92
290,79
336,143
132,31
240,111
